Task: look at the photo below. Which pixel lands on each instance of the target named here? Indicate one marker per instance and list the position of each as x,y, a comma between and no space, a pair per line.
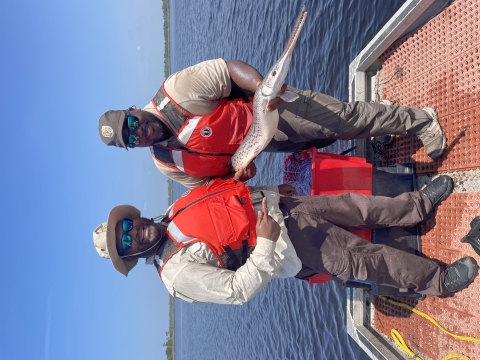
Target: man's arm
248,78
192,279
244,75
202,282
198,88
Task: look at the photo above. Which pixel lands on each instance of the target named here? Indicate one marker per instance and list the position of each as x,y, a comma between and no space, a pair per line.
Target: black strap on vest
170,114
163,155
232,260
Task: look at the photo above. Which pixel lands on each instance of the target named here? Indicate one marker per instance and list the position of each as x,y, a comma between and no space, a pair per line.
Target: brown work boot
433,138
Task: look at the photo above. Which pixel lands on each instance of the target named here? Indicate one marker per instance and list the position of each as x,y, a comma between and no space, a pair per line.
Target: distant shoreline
171,316
166,34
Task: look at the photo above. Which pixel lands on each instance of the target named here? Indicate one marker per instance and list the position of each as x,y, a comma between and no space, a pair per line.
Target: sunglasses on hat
132,123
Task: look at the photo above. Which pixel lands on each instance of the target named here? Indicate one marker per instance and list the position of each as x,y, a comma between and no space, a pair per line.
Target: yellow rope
453,356
432,320
400,342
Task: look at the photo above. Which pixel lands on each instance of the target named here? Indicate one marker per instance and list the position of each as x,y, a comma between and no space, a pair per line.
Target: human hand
247,173
273,104
287,190
266,226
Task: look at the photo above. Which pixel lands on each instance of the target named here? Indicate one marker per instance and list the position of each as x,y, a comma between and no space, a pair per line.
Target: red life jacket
209,141
220,215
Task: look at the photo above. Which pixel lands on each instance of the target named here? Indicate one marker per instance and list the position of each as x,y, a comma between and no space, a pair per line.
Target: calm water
289,319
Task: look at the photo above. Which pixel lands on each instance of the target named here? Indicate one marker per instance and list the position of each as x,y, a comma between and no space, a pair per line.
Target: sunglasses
127,239
133,123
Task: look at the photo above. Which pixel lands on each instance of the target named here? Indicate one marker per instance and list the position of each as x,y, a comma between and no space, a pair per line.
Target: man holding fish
223,242
202,117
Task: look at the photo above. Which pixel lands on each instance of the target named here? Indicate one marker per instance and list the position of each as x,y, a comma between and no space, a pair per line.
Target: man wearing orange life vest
209,247
199,117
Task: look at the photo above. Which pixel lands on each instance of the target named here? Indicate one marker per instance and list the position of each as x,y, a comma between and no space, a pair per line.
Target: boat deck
438,65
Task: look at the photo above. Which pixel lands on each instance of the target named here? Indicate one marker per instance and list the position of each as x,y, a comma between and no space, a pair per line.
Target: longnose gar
265,123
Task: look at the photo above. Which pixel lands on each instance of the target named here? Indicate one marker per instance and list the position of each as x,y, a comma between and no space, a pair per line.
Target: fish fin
289,96
280,136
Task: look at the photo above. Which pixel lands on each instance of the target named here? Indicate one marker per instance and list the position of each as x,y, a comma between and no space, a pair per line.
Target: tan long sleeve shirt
193,274
198,89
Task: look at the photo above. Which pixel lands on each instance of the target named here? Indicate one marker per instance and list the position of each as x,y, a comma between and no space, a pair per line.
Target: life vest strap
174,117
163,155
233,259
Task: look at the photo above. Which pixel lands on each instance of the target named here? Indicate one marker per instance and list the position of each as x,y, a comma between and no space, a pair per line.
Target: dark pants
319,226
315,118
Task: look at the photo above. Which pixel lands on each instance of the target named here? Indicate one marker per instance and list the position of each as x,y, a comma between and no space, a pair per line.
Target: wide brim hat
118,213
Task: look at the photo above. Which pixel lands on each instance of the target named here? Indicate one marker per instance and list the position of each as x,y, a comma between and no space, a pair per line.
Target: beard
151,233
160,130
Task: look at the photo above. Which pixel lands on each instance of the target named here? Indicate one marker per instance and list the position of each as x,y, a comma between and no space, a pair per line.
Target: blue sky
64,63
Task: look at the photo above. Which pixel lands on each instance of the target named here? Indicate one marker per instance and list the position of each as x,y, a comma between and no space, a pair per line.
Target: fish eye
274,73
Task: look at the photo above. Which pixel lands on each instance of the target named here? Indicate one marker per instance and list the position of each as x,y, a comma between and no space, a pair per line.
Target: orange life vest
220,215
209,140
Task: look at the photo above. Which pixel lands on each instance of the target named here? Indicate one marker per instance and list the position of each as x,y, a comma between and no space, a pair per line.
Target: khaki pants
316,118
319,228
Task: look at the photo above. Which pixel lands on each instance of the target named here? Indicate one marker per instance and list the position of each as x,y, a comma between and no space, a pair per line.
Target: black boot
473,236
439,189
460,274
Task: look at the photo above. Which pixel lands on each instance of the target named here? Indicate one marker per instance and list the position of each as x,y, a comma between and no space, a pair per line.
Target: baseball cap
110,127
104,238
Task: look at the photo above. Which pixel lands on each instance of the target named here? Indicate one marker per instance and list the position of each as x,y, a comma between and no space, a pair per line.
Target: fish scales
265,123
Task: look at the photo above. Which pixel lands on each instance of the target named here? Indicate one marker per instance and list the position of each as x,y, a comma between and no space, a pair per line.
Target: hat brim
120,131
118,213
